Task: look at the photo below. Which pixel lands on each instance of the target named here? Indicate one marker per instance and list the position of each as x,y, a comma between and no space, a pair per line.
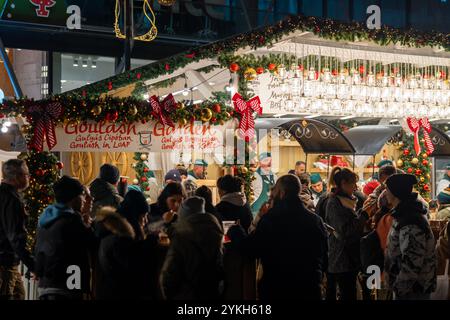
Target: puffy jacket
13,235
105,195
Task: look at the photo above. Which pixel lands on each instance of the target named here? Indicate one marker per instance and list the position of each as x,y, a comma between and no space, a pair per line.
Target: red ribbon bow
414,125
246,108
161,108
44,125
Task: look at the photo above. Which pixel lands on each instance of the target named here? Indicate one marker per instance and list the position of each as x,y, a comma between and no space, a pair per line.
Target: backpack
371,252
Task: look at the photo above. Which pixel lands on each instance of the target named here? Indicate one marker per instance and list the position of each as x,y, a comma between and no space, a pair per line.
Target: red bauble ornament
271,66
216,108
167,67
147,189
334,72
361,69
261,40
317,29
60,165
259,70
144,179
112,116
145,169
443,74
110,86
418,172
213,120
409,170
425,162
40,172
234,67
426,187
138,76
406,152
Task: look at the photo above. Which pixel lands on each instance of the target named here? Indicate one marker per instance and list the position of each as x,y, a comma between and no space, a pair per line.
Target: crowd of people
308,240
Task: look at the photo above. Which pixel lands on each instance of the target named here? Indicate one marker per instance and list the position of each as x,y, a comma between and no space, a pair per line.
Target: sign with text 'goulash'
138,137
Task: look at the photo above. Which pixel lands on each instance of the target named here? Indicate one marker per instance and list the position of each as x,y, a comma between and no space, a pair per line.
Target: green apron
268,181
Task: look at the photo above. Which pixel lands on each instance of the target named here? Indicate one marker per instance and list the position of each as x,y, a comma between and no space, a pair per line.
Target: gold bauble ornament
182,122
206,114
143,157
401,143
244,170
133,111
226,115
96,111
180,105
250,74
428,176
167,3
251,199
422,179
399,163
424,155
135,181
415,161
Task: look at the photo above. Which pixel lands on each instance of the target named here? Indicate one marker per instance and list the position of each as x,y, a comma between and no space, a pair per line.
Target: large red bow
246,108
414,125
44,124
161,108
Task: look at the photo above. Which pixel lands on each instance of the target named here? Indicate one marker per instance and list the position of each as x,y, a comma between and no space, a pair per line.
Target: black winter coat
193,266
62,242
232,212
126,267
13,235
292,244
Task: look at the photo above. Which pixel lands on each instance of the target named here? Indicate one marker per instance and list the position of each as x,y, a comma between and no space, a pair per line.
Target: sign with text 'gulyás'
137,137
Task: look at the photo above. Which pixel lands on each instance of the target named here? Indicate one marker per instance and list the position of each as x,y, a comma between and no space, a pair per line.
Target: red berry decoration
406,152
144,179
425,162
259,70
409,170
217,108
418,172
234,67
271,66
361,69
60,165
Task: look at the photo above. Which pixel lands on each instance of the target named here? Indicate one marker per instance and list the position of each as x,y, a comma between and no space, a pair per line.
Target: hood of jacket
411,211
236,198
54,212
112,222
101,189
202,229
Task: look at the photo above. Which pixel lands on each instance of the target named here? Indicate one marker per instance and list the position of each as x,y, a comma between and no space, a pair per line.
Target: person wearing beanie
172,176
410,261
318,187
199,170
126,256
63,240
193,269
445,181
443,199
104,188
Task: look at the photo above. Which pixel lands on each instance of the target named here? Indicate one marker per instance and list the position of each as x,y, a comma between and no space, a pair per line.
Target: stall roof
370,139
315,136
441,142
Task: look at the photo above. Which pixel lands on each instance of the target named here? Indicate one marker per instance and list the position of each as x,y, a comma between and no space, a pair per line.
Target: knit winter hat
370,187
401,185
66,189
173,175
133,205
444,196
109,173
385,162
192,205
315,177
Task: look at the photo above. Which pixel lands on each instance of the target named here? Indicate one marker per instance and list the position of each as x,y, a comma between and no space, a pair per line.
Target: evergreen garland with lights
143,172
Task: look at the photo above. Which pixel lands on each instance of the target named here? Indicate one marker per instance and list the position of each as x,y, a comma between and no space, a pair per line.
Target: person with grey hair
13,234
193,265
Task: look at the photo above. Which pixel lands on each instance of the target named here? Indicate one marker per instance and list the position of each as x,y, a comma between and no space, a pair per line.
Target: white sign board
137,137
